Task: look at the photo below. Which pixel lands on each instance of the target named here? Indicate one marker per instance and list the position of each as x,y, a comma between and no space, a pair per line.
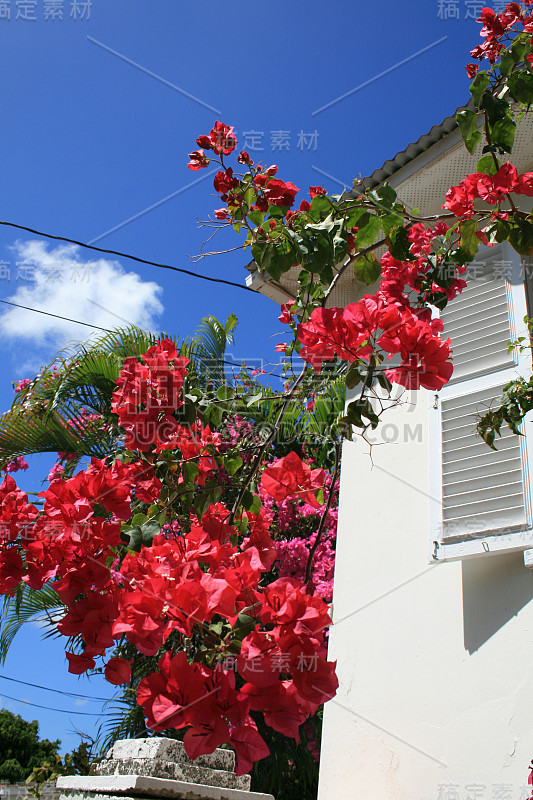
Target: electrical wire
57,316
132,258
49,689
59,710
97,327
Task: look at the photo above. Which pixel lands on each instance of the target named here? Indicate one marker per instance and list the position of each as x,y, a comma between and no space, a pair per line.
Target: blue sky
98,115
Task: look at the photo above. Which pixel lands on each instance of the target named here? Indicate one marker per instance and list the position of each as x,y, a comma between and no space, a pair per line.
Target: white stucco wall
435,661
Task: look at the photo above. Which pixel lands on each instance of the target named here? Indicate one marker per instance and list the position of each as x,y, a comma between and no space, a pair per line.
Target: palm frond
24,606
208,348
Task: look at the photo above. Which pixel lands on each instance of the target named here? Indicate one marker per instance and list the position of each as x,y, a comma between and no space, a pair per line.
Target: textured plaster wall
435,661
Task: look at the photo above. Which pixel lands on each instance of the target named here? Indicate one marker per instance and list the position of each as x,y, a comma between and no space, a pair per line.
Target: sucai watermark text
278,141
27,271
467,9
48,10
482,791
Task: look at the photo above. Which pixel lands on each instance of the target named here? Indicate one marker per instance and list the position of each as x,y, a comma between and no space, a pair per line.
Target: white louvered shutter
480,497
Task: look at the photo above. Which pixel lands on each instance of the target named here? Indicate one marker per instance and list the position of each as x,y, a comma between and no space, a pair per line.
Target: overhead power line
97,327
132,258
49,689
50,708
57,316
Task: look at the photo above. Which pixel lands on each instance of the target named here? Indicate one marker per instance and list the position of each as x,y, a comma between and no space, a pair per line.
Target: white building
433,624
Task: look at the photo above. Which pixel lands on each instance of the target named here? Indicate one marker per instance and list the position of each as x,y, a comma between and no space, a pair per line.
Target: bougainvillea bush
157,550
214,561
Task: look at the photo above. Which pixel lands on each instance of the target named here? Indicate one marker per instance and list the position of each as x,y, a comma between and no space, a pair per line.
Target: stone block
173,770
170,750
133,787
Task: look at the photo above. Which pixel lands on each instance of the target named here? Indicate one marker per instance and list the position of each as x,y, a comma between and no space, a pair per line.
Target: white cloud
59,281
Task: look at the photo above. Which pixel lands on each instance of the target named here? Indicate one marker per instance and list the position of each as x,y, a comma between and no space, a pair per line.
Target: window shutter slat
478,321
482,489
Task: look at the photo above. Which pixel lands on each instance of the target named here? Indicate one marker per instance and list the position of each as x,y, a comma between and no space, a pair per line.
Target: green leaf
385,195
135,538
201,504
478,86
390,221
506,63
520,48
367,234
320,206
275,212
497,231
262,253
467,121
353,377
367,268
326,224
232,464
215,416
359,409
469,240
521,237
399,244
255,508
149,530
225,393
190,471
503,133
521,86
253,400
486,164
251,502
139,519
496,109
256,217
355,215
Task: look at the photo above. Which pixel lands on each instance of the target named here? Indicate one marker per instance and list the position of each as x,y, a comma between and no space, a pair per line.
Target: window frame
484,543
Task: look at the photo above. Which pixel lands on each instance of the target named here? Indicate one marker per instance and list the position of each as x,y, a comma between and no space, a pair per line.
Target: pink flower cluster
14,466
20,385
294,542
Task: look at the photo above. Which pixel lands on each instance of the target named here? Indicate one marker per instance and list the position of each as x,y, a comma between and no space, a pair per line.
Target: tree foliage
21,750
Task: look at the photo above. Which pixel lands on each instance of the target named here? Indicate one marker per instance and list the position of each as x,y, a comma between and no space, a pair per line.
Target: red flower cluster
147,395
70,544
285,671
373,324
292,477
206,574
490,188
279,193
221,141
495,26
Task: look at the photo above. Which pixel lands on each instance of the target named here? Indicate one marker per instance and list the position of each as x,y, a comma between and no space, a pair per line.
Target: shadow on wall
495,588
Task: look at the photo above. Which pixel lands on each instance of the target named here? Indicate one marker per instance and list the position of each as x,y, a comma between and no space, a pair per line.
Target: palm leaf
27,605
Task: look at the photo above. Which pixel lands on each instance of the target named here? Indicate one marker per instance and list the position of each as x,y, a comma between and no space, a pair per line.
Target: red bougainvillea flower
524,184
198,160
80,663
147,395
221,213
314,191
279,193
117,671
292,477
224,181
223,140
286,312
